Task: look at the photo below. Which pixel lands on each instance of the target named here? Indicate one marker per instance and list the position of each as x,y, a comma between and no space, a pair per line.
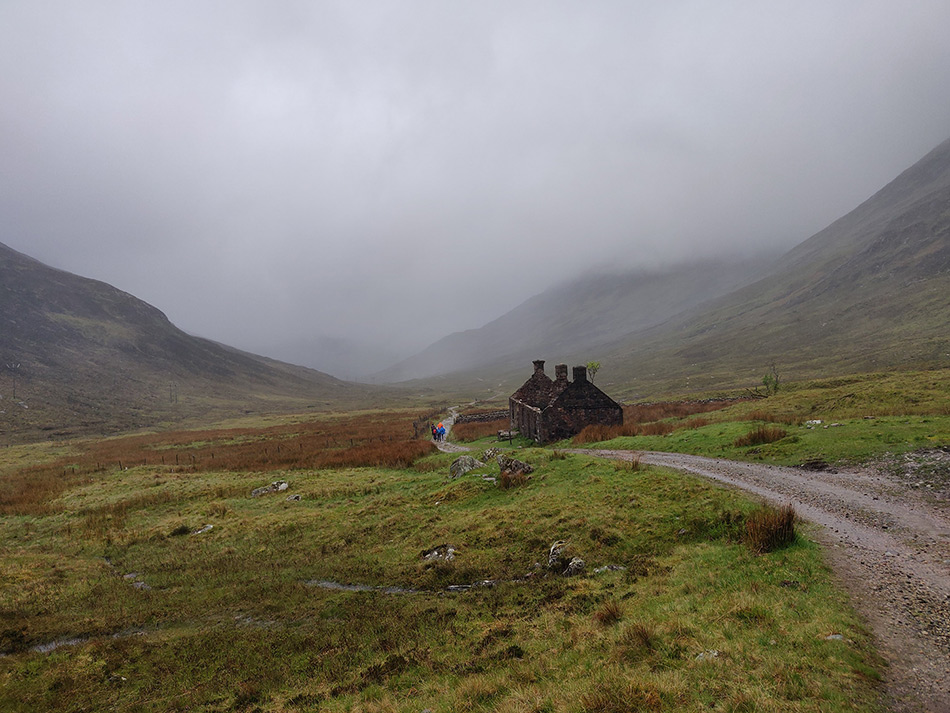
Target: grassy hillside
859,418
125,599
870,292
79,356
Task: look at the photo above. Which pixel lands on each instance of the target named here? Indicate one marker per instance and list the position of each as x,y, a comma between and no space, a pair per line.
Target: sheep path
887,542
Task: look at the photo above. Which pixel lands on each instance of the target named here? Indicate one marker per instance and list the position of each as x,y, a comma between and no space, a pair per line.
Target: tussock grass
770,529
760,435
862,417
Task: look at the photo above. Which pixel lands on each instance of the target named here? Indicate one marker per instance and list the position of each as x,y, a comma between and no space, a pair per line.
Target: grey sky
267,170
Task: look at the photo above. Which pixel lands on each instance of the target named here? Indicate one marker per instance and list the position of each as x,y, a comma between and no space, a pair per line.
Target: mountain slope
577,317
871,291
81,354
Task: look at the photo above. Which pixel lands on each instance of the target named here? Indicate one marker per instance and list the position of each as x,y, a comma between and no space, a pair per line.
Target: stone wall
482,417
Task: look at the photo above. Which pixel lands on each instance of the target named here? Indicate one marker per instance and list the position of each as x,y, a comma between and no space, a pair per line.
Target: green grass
862,417
228,621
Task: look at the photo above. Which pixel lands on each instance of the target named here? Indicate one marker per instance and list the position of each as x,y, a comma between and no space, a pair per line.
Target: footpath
889,544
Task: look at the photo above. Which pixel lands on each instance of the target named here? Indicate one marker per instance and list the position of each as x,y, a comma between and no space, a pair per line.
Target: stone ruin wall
484,417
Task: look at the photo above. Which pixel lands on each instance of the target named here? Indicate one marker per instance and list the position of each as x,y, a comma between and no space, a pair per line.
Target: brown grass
762,434
508,480
475,430
759,415
610,612
360,440
653,420
768,529
644,413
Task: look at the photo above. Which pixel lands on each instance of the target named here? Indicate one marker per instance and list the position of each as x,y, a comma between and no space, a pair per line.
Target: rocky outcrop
463,464
278,486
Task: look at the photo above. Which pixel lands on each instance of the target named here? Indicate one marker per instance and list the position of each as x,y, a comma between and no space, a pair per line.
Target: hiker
441,432
435,432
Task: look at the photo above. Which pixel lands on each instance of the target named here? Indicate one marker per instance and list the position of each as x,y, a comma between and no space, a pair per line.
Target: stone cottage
547,410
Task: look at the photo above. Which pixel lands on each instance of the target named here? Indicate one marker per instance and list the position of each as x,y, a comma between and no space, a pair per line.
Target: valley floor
889,541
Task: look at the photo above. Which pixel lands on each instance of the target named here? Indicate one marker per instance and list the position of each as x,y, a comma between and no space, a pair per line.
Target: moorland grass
860,417
162,619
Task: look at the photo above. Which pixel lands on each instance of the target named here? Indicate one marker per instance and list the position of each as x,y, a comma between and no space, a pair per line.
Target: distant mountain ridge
86,356
575,319
869,292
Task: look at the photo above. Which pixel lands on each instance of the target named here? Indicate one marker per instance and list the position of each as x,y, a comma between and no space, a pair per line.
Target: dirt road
889,543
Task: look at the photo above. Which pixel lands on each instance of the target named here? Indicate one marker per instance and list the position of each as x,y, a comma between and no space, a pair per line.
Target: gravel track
888,543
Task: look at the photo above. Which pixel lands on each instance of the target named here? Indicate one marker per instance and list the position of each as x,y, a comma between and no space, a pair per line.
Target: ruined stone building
547,410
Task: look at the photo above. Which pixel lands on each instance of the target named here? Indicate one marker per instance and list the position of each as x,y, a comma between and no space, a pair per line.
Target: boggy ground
121,597
887,535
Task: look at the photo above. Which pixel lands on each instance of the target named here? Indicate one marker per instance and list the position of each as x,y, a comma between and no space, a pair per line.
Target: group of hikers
438,432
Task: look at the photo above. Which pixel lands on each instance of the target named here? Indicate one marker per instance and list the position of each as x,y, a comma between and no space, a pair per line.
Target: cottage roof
539,389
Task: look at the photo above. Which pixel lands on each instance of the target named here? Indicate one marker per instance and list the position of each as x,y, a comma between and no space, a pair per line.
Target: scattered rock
293,498
490,454
610,568
554,554
278,486
510,465
461,465
444,553
575,566
206,528
708,655
834,637
561,560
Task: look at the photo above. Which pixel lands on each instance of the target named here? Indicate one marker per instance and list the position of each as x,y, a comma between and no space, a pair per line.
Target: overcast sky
263,170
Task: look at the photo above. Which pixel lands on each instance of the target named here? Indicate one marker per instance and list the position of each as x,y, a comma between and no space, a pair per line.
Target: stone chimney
580,373
539,366
560,372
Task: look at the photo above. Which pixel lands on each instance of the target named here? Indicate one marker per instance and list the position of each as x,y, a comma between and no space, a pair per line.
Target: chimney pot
560,371
538,366
580,373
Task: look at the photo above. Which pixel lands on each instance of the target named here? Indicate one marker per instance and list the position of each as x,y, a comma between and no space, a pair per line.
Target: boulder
575,566
562,561
461,465
277,486
507,464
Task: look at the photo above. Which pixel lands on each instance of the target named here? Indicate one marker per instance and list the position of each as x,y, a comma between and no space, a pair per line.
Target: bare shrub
762,434
768,529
